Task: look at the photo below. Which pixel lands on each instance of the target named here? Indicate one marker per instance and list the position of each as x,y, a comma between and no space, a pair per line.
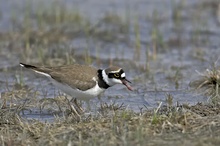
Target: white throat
105,77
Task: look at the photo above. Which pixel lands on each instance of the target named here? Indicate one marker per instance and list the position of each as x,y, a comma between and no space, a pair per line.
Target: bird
82,82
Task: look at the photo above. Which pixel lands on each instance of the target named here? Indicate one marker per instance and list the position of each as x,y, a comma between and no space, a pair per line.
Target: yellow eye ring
116,75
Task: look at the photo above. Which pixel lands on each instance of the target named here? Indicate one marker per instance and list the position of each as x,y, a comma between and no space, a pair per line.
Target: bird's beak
125,82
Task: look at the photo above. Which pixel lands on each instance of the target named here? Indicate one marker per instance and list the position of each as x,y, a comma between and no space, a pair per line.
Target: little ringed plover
81,81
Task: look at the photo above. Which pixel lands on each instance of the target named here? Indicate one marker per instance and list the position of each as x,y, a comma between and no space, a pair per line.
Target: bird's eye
116,75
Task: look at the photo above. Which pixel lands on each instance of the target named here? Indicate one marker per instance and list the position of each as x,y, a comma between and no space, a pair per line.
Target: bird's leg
73,109
78,106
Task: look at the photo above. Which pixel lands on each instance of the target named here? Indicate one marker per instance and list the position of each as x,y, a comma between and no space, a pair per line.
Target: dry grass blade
208,83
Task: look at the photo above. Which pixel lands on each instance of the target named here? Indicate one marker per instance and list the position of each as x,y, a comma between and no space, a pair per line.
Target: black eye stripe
116,75
110,75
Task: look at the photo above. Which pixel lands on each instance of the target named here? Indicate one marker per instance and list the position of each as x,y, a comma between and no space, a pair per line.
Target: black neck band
101,81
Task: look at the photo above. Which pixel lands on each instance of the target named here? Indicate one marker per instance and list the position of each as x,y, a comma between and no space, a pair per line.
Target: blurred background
159,43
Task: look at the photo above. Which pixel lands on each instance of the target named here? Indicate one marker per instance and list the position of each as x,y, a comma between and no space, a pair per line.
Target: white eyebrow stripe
123,75
116,71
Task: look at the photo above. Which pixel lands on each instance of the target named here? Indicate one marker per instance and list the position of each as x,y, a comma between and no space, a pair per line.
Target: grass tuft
208,84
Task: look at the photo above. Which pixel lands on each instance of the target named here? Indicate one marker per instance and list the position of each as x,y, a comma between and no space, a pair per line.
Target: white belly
76,93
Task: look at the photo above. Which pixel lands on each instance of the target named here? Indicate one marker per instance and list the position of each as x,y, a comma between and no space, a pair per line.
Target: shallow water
188,41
